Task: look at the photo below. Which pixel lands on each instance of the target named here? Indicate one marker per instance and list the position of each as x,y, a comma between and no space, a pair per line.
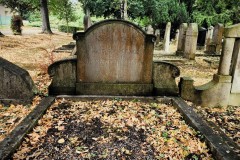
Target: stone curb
15,138
222,147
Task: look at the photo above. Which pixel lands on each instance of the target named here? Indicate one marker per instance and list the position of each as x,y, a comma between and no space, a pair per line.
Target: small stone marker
191,41
166,41
181,39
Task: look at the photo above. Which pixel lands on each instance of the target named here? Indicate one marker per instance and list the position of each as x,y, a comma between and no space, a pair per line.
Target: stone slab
222,147
114,89
15,138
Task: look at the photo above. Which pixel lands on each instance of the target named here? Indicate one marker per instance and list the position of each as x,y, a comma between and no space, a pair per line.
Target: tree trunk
123,9
45,17
125,15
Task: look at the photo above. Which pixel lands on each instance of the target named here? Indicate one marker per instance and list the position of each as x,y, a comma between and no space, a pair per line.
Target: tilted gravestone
114,57
191,41
16,85
224,89
181,39
166,41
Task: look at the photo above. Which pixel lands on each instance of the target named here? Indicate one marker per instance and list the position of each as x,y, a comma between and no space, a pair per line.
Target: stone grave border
221,146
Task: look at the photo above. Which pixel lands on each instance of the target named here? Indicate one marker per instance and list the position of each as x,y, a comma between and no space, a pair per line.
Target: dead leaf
61,141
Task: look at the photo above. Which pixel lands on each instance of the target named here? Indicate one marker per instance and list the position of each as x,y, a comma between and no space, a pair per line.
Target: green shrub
16,24
71,29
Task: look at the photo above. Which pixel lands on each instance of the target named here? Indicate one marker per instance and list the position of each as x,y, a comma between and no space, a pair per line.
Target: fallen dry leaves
228,119
33,52
112,129
12,115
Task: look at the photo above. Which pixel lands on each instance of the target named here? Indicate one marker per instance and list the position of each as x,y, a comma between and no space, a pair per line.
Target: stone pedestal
213,94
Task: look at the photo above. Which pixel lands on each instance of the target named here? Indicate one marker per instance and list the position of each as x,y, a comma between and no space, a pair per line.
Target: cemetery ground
111,128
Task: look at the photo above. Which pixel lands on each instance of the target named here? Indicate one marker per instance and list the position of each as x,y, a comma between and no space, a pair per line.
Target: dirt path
33,51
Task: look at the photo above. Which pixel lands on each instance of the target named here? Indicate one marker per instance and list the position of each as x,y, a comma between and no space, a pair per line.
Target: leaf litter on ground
112,129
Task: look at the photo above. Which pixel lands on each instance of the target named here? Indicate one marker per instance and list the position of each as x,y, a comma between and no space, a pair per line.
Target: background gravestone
191,41
166,41
217,38
16,85
181,39
209,38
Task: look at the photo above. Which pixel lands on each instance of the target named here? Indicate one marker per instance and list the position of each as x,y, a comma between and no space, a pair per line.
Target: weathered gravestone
215,46
224,89
191,41
166,41
16,85
181,39
209,38
114,57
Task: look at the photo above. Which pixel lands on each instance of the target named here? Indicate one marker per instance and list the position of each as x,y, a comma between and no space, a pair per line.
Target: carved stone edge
15,138
221,146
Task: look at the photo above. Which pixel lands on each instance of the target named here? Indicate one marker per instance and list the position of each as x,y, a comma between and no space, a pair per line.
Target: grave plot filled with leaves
112,129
